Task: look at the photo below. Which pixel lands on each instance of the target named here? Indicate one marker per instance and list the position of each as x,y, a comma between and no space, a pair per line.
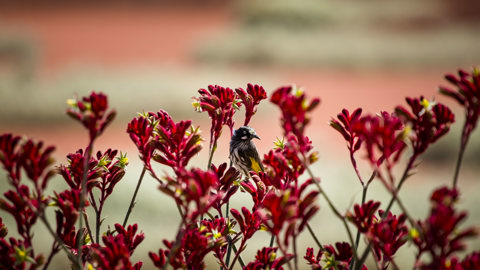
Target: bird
243,153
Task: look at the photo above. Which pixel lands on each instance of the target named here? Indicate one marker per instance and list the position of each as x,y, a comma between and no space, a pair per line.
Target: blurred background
151,55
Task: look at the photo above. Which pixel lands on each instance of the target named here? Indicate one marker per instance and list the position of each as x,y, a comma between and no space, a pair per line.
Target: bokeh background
150,55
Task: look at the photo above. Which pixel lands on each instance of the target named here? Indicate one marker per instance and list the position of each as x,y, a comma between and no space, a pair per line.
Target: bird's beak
256,136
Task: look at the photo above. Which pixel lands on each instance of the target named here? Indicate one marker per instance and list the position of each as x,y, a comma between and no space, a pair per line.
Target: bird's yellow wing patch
255,166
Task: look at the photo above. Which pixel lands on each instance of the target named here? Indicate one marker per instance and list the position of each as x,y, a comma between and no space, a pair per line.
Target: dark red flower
73,172
220,103
9,155
142,131
19,204
117,250
36,162
189,252
91,111
428,122
32,157
258,190
177,260
382,136
249,222
283,164
345,124
16,256
217,230
387,235
314,260
68,203
439,235
266,258
472,261
176,144
295,111
364,216
251,99
192,191
112,171
289,210
467,94
227,186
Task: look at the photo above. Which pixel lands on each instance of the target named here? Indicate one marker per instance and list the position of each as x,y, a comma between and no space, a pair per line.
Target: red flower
283,165
117,250
73,172
364,216
9,156
220,103
251,99
387,235
195,187
314,260
112,171
249,223
68,203
176,144
295,111
18,205
266,258
428,122
142,131
91,111
467,93
29,156
227,186
439,234
194,245
217,230
345,124
289,210
382,138
257,191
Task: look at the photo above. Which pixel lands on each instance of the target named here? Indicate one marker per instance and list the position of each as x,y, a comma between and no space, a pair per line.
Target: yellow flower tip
476,71
196,105
407,130
273,256
414,234
72,102
298,91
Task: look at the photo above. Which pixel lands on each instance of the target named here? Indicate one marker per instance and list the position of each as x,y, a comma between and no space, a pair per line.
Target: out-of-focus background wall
150,55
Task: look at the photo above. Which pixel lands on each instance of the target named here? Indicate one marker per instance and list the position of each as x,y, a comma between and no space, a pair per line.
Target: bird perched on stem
243,153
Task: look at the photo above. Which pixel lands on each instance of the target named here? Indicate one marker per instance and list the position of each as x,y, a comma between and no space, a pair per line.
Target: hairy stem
132,202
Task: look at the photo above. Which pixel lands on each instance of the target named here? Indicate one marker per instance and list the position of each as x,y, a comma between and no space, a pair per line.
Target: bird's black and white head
245,133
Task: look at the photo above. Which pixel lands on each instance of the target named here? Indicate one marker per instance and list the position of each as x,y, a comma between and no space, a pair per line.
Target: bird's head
245,133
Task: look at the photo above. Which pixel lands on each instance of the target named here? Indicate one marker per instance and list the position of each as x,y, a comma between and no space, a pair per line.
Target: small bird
243,153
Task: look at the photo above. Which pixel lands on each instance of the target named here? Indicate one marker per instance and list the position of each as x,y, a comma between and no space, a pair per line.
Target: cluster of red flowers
440,237
283,203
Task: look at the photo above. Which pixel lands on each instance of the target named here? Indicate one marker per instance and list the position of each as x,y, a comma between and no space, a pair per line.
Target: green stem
237,252
461,151
333,208
132,202
272,240
83,194
390,204
212,151
312,233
